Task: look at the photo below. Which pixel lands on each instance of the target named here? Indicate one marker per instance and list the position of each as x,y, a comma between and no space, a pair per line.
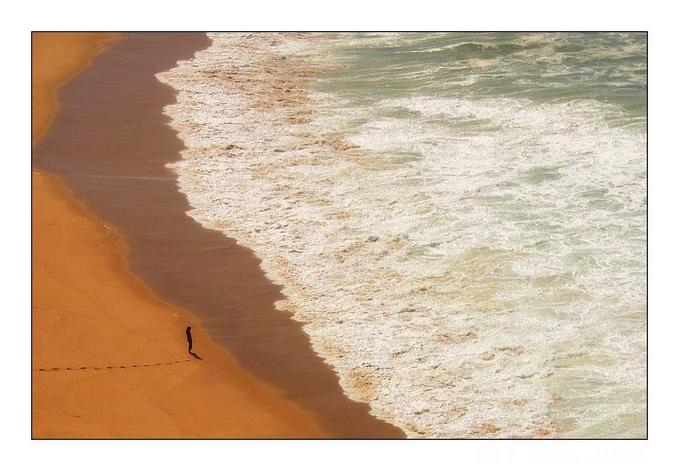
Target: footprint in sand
100,368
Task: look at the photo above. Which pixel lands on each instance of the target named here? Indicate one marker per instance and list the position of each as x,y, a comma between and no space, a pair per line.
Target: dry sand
109,356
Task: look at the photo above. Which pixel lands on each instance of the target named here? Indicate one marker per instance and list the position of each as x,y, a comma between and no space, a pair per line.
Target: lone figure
189,340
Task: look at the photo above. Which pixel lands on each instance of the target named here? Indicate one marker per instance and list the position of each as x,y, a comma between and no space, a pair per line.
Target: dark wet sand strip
110,142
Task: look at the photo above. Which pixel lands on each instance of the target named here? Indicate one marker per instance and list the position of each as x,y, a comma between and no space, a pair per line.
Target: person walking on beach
189,339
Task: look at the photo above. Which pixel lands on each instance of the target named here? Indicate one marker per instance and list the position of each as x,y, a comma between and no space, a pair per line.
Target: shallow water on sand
458,219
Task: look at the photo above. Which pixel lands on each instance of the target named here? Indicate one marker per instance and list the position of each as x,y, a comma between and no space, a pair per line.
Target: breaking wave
470,261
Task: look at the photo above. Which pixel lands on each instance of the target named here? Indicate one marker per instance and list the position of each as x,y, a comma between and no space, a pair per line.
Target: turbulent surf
458,220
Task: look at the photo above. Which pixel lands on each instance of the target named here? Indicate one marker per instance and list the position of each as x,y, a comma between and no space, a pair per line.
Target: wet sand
56,59
109,356
110,143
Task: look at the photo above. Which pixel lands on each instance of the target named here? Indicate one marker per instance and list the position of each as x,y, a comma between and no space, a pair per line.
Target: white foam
461,270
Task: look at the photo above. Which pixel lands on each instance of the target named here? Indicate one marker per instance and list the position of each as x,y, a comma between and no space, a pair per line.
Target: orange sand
130,375
56,59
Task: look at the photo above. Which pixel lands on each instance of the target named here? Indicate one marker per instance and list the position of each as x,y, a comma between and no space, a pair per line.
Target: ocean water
458,219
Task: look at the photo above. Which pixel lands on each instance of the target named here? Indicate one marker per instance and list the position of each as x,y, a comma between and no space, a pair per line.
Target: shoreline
115,162
63,56
89,346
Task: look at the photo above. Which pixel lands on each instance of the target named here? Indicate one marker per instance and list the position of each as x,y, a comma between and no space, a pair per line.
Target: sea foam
469,267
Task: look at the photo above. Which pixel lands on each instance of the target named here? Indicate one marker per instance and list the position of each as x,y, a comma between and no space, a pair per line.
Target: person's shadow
195,355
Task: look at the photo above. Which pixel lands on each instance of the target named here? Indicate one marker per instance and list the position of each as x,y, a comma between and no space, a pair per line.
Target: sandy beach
323,235
110,143
109,356
57,58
